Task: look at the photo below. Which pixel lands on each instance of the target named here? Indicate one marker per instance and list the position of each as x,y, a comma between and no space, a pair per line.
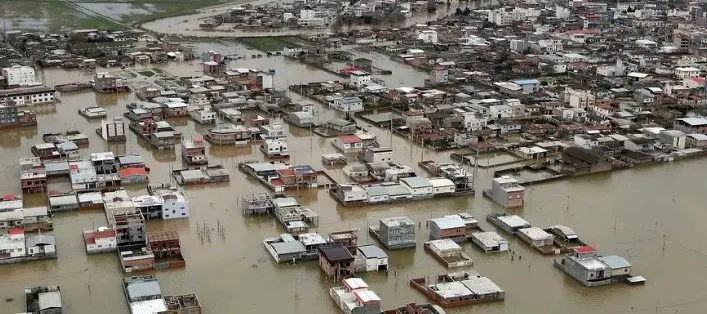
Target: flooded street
650,215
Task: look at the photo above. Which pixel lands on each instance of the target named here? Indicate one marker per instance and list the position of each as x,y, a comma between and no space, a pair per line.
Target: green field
268,44
57,15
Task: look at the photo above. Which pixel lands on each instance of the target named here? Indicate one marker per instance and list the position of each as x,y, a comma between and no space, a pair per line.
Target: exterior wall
175,208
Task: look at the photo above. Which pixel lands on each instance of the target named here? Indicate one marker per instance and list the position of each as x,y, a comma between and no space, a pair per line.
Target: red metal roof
16,231
584,249
350,139
91,237
132,171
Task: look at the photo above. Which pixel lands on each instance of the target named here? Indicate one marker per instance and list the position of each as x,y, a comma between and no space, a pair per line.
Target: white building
27,96
428,36
442,186
360,78
536,236
175,204
348,143
101,240
378,154
419,187
12,243
489,241
502,17
376,258
347,104
20,75
500,112
275,147
673,138
551,45
683,72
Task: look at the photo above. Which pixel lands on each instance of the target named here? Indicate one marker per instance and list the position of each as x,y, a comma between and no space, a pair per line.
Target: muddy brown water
652,215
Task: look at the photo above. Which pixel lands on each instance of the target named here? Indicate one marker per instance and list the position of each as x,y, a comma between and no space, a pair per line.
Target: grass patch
146,73
268,44
50,16
55,15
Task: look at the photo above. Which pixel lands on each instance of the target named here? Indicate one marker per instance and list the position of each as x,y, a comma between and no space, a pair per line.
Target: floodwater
188,25
652,215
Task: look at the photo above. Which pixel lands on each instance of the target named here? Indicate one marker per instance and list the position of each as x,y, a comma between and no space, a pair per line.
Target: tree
458,11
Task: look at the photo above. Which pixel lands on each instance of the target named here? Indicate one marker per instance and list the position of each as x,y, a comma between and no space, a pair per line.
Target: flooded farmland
620,213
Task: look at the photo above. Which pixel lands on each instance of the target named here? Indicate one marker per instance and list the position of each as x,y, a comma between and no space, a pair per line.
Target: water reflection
12,138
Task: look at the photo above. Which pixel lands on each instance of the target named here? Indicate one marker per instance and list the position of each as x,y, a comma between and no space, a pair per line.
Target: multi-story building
33,176
592,269
27,96
397,232
19,75
506,191
174,203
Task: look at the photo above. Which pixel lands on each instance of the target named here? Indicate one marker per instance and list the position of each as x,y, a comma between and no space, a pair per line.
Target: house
133,175
528,86
428,36
458,289
33,176
489,241
696,140
584,160
592,269
285,248
342,126
538,238
377,154
228,134
44,300
275,148
101,240
41,246
12,244
360,78
347,104
28,96
174,202
395,232
691,125
419,187
506,191
112,130
348,143
194,152
674,139
355,298
448,227
448,252
150,206
442,186
685,72
336,261
639,144
351,194
302,119
36,219
273,130
12,219
375,258
533,153
508,223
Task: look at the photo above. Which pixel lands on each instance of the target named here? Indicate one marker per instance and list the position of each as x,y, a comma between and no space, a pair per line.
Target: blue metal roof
526,82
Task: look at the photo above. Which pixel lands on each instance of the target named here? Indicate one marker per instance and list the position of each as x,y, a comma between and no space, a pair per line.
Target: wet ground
188,25
652,215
